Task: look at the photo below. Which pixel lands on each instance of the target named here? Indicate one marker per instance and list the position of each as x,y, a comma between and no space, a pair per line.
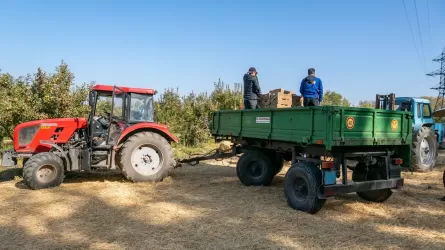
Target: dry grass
206,207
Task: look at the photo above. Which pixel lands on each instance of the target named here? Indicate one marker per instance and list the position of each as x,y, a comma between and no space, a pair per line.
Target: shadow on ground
206,207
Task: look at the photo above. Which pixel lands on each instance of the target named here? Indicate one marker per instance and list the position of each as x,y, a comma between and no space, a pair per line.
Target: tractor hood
27,136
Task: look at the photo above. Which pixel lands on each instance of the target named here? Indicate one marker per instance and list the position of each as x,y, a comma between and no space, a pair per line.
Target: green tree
332,98
366,104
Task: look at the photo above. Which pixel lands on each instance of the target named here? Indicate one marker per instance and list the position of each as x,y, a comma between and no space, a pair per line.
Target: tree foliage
332,98
366,104
45,95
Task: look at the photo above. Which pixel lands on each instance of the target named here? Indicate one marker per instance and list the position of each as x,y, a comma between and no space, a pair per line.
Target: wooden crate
280,99
297,101
282,91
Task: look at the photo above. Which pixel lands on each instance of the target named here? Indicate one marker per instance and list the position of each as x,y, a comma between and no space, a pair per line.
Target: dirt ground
206,207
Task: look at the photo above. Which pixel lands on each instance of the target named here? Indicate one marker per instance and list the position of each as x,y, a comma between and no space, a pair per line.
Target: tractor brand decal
263,120
350,122
394,124
47,125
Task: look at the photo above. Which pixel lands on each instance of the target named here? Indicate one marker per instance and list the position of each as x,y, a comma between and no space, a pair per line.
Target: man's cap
252,69
310,71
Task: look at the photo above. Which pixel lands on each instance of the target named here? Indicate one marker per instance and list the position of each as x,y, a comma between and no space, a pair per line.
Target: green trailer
322,143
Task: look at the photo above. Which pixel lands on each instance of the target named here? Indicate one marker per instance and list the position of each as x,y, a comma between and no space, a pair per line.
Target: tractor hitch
216,154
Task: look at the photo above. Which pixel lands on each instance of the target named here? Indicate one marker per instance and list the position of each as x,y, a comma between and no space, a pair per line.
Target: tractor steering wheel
113,118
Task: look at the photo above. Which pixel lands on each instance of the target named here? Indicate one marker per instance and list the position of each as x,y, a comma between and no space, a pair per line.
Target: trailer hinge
375,141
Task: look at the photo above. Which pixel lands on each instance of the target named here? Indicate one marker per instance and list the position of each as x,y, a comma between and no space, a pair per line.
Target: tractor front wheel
146,156
43,170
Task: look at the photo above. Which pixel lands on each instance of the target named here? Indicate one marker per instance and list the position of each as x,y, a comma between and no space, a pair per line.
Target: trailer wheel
43,170
301,186
255,169
424,150
277,162
361,174
145,156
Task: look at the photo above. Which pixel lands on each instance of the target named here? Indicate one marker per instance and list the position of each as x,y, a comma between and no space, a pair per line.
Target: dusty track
206,207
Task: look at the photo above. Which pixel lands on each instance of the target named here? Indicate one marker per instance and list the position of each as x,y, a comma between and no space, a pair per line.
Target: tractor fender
58,148
152,127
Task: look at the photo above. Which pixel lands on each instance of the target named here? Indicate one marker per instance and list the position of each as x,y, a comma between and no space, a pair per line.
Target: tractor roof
110,88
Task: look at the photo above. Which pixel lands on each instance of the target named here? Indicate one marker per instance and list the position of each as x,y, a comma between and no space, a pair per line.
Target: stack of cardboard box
280,98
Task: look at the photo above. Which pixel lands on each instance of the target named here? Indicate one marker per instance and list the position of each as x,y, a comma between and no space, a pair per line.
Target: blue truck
427,135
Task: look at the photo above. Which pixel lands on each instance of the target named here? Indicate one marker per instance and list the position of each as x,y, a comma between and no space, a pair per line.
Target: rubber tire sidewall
33,164
277,161
266,164
380,195
312,175
124,156
417,140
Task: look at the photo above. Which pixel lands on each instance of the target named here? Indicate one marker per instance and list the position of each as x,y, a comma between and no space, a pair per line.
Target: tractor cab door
117,115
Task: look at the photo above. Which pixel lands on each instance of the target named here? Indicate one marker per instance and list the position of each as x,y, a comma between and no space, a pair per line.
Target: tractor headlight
27,134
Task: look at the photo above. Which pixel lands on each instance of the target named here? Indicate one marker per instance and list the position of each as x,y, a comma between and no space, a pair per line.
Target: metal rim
46,173
147,159
255,170
426,151
301,190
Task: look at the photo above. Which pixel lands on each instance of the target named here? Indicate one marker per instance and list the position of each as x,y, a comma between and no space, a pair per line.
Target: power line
420,34
412,33
429,25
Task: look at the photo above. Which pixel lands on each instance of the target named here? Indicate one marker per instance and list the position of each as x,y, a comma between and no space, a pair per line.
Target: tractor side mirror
91,99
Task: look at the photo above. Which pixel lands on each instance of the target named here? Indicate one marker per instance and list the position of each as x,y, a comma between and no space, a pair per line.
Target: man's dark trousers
251,104
310,102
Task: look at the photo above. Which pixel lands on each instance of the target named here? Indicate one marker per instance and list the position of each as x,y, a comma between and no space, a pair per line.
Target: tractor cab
427,135
113,109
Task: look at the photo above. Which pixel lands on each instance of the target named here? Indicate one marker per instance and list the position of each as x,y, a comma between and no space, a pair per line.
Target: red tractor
121,135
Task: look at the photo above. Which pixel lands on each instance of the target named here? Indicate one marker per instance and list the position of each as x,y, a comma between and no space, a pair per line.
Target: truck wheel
145,156
255,169
43,170
424,150
361,174
301,185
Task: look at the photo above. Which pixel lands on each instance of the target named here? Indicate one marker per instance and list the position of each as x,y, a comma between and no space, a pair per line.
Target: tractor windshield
141,108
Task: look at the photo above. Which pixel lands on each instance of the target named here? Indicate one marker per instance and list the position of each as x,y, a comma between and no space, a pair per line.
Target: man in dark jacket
252,89
311,89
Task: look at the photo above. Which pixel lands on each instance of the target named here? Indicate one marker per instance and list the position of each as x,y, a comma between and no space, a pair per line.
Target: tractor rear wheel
43,170
424,150
145,156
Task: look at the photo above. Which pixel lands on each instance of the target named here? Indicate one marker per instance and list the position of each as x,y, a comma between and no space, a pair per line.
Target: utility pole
440,103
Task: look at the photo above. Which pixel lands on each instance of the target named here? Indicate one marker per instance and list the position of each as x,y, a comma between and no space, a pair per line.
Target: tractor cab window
405,106
141,108
426,111
103,106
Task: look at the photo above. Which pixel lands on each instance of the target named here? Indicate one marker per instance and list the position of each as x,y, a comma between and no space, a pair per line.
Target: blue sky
358,48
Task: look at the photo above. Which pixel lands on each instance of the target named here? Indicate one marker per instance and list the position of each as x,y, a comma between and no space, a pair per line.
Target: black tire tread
314,177
36,161
245,159
123,154
373,195
416,144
